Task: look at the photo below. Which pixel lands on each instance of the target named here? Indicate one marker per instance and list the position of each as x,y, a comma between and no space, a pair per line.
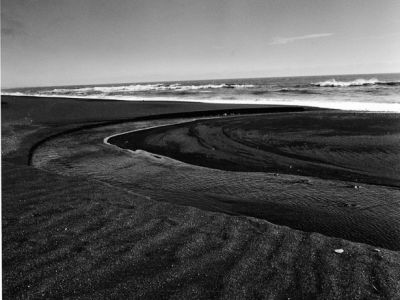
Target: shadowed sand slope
87,239
333,145
27,120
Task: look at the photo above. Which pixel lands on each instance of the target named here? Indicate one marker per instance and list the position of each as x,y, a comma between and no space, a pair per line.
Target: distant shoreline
381,108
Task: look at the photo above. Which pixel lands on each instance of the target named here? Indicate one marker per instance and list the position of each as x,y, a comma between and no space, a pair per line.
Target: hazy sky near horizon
47,42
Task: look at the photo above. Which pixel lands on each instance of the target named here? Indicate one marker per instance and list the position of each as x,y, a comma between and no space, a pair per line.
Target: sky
66,42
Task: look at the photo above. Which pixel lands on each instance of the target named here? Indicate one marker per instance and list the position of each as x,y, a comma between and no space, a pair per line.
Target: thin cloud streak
286,40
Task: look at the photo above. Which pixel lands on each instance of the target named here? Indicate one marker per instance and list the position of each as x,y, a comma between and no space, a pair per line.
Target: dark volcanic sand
359,147
81,237
28,120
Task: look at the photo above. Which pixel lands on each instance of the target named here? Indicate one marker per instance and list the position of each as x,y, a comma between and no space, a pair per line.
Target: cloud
286,40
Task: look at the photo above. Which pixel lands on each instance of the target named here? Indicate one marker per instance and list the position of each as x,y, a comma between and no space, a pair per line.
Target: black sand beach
90,220
357,148
360,147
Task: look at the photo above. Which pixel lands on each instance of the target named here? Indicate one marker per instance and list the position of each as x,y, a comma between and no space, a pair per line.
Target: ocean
366,92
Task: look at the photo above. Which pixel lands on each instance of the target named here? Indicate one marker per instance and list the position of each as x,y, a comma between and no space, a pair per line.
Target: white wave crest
144,88
357,82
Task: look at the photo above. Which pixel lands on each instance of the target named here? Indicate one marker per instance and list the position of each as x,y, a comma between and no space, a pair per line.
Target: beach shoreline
168,249
315,104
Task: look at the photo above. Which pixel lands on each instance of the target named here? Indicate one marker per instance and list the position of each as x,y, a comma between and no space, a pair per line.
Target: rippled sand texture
82,222
85,239
332,145
368,214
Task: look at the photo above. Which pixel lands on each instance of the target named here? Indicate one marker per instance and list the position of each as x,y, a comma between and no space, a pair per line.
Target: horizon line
210,79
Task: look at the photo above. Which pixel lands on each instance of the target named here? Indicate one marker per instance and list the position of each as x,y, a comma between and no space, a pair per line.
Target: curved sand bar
318,202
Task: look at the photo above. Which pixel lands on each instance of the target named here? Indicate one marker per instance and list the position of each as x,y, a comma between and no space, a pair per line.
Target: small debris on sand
354,186
375,288
340,251
377,250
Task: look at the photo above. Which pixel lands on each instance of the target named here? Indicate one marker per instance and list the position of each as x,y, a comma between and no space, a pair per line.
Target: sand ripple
369,214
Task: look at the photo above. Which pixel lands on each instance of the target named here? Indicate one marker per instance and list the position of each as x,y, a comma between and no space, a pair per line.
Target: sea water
367,92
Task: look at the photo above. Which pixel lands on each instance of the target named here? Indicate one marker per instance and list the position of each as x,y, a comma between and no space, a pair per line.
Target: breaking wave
147,88
357,82
349,92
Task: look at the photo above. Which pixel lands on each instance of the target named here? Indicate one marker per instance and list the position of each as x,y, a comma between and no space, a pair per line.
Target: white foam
337,104
357,82
143,88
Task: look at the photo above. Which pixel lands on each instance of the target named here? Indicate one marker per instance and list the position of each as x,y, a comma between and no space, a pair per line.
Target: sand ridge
368,214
